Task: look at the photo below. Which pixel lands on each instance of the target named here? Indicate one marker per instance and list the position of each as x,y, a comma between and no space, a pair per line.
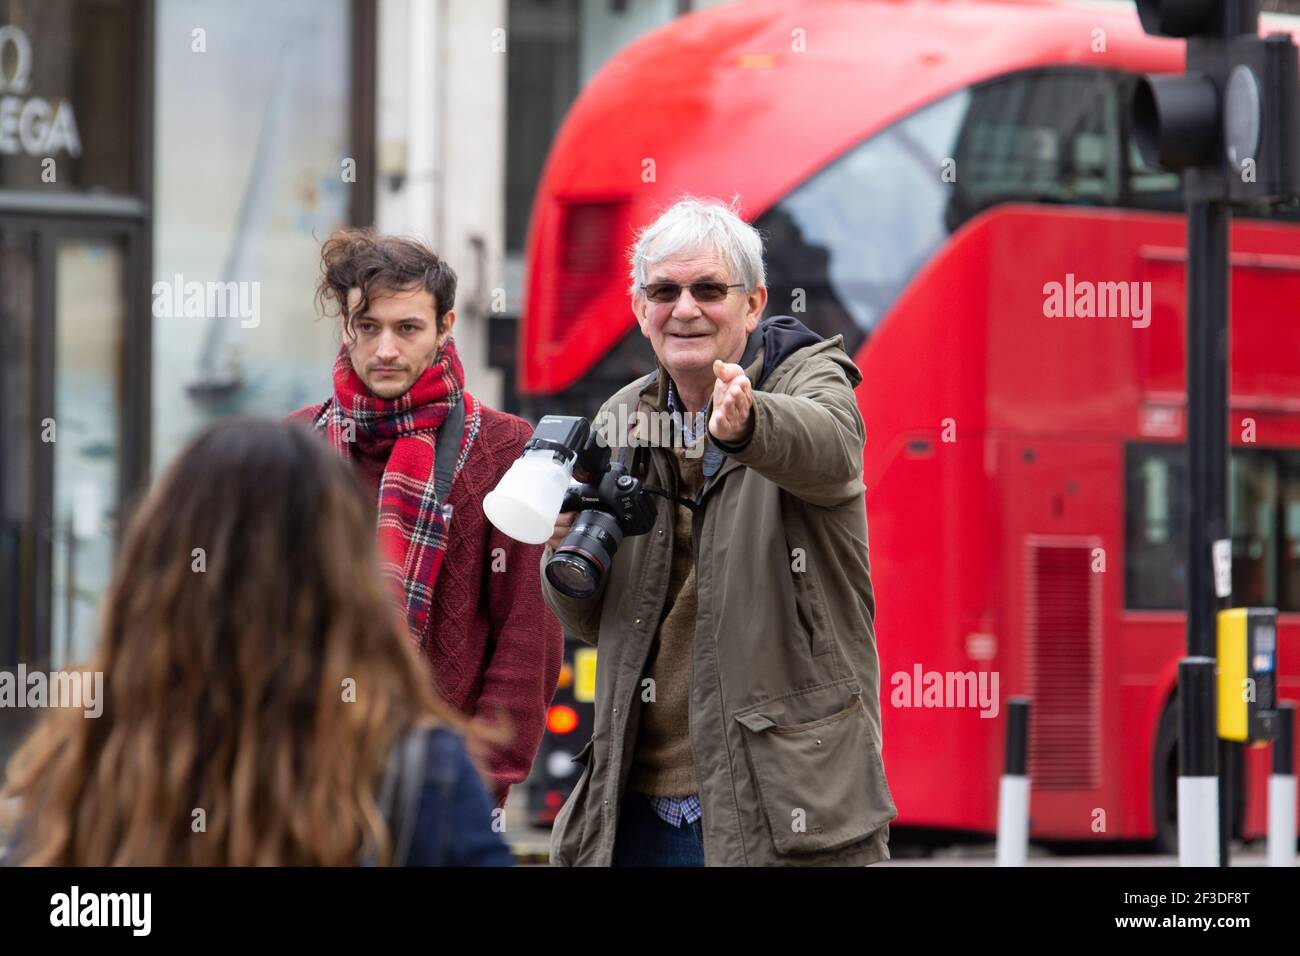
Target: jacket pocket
811,613
817,769
566,836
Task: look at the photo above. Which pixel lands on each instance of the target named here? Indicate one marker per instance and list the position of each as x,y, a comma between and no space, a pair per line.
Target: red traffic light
561,719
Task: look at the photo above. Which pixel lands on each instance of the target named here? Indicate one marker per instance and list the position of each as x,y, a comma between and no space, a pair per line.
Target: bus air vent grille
1064,655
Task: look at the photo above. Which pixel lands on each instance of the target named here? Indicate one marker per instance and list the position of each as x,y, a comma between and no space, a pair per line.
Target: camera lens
584,557
573,575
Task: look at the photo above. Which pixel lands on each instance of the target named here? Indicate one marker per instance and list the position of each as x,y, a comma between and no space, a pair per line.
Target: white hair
693,225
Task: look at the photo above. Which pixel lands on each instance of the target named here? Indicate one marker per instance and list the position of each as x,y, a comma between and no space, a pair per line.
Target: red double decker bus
954,188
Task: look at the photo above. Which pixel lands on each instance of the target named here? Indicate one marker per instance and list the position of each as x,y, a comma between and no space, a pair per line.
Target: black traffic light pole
1231,125
1179,124
1207,460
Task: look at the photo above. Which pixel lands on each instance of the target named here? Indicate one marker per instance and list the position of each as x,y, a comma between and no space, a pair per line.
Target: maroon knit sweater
495,645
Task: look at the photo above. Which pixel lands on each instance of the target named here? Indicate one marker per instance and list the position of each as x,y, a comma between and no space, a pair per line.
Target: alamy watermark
918,688
646,427
132,911
24,688
179,299
1083,299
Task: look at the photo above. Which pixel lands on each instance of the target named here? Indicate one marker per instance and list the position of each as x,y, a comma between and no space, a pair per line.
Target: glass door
65,397
89,325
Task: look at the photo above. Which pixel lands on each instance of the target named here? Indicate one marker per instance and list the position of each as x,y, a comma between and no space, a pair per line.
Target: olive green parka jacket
784,693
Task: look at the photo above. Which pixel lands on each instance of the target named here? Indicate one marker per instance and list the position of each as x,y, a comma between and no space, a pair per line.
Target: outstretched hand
732,420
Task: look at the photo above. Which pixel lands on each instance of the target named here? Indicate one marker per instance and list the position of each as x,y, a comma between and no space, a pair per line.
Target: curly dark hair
359,259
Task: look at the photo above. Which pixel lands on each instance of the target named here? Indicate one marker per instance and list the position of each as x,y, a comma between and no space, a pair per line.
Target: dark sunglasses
665,292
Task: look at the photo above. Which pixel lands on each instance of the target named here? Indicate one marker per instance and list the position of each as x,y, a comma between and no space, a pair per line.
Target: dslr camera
566,467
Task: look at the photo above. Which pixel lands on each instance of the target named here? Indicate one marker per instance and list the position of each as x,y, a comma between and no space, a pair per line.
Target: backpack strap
447,450
399,794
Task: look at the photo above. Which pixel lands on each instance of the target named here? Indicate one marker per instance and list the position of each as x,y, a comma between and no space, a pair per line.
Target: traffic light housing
1231,123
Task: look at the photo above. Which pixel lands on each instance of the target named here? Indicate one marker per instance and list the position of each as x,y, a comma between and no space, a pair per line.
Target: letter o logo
16,82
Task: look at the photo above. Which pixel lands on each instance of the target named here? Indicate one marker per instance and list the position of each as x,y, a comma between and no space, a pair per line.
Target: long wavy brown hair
256,674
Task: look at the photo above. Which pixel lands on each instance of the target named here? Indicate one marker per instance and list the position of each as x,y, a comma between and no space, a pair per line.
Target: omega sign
31,125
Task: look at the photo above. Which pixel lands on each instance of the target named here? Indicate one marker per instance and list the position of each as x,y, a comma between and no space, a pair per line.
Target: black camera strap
686,502
447,450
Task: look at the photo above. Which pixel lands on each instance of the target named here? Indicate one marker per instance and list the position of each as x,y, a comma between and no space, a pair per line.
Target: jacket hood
778,337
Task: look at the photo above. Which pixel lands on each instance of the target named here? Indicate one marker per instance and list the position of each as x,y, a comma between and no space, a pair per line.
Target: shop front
76,106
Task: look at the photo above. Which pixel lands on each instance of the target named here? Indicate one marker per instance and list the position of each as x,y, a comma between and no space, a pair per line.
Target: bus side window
1155,575
1252,515
1264,514
1288,564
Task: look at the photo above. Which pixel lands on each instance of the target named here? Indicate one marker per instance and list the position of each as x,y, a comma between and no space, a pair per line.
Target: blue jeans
645,839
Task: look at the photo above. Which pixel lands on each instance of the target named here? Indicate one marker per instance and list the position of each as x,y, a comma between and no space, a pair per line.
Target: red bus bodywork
995,459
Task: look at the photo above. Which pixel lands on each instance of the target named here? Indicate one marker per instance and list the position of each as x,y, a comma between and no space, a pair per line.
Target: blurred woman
259,690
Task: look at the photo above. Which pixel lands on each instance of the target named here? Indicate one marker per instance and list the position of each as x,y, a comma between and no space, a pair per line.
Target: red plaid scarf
412,530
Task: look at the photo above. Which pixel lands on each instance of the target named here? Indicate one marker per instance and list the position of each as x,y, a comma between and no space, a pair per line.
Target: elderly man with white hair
737,698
